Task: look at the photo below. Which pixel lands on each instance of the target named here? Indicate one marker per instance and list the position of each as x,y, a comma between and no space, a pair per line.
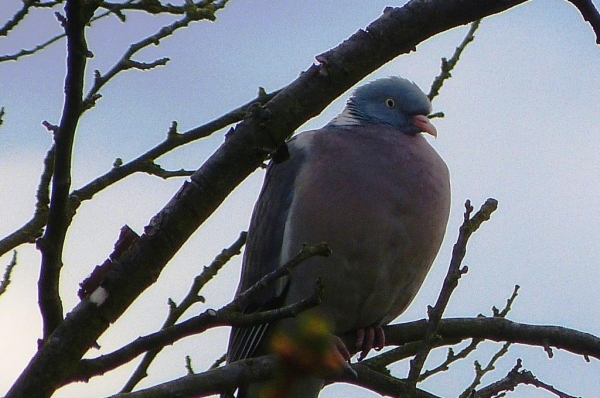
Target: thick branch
590,14
245,148
257,369
498,329
211,382
384,384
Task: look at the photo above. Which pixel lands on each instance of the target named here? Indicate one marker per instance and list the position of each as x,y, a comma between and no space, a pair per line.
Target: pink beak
422,122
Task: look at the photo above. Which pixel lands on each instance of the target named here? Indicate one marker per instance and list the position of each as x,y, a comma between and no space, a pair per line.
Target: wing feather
263,248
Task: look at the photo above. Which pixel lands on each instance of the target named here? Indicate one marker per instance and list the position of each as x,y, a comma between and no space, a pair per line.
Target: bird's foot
369,338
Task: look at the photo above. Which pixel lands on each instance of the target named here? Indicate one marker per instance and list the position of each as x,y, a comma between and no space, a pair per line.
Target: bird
372,187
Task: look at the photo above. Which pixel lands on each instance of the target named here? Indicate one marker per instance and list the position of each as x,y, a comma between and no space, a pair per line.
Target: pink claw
369,338
342,348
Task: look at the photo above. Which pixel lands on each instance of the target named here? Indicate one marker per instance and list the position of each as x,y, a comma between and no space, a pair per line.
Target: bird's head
393,101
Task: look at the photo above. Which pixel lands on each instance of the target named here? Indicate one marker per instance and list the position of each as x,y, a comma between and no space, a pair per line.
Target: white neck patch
346,118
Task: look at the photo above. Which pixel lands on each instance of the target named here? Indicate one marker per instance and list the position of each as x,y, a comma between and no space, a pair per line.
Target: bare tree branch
469,226
51,243
191,298
497,329
320,249
384,384
7,273
156,170
227,315
448,65
513,379
18,17
25,52
258,369
88,368
464,353
156,7
480,372
451,357
211,382
193,12
590,14
33,229
509,303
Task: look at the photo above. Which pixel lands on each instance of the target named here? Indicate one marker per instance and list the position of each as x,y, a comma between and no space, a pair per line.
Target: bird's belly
384,229
370,278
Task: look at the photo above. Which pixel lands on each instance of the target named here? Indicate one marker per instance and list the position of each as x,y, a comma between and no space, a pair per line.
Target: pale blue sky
522,112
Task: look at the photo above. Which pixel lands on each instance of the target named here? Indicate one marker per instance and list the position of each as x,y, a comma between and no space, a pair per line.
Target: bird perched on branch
371,186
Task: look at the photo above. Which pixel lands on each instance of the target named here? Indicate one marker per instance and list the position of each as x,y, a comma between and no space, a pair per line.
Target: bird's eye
390,103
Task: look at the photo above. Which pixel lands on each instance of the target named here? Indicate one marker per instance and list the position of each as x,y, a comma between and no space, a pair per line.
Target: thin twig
188,365
25,52
480,372
176,311
18,17
451,357
33,228
320,249
154,169
88,368
227,315
509,303
156,7
7,273
448,65
514,378
219,361
469,226
193,12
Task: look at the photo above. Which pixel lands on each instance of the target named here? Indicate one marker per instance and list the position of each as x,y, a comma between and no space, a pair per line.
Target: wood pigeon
371,186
